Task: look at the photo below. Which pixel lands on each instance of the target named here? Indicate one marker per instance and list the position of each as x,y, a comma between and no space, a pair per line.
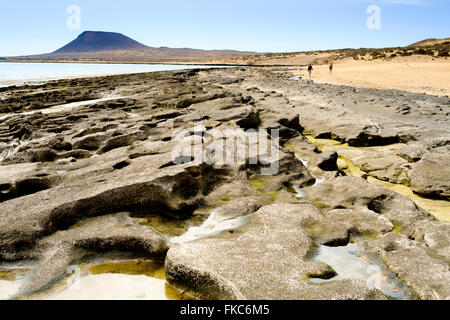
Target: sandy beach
419,74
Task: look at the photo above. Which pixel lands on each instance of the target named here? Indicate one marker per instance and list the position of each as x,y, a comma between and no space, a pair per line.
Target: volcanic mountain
91,41
98,46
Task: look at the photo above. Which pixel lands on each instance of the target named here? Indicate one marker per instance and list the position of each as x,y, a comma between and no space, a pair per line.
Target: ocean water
34,73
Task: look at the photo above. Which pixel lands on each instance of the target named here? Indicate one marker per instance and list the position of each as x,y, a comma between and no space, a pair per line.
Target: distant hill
108,47
92,41
429,42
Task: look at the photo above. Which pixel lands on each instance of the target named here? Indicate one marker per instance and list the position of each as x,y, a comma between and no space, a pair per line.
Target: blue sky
31,27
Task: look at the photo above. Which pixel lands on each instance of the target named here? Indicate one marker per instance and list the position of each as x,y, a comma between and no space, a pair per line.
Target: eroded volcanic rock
264,260
81,159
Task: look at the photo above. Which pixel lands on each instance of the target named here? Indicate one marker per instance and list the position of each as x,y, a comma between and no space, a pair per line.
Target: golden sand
421,74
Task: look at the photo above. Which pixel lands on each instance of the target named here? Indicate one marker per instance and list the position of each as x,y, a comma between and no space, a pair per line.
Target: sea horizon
35,73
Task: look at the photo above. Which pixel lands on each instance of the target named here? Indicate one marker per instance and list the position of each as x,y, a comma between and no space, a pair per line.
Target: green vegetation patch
397,229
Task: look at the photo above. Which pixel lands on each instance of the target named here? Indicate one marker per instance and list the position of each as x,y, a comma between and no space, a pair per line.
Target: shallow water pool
352,262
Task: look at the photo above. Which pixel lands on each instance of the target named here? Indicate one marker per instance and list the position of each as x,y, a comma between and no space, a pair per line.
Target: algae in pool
256,183
438,208
169,226
349,168
124,280
214,225
344,164
10,275
325,144
147,268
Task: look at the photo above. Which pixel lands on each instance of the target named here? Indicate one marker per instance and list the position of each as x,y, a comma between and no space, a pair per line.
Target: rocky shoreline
87,169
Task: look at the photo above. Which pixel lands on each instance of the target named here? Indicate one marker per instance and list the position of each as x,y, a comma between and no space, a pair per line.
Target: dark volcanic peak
92,41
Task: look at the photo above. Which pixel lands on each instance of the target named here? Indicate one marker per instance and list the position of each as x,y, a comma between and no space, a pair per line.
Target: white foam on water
70,106
60,108
301,193
318,181
305,163
133,115
214,225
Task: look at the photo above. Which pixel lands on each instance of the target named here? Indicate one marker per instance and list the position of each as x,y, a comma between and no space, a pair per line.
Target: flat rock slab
267,259
97,235
420,270
431,175
357,193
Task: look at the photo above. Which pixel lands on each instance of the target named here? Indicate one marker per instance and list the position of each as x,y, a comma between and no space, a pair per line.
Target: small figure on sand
310,70
331,68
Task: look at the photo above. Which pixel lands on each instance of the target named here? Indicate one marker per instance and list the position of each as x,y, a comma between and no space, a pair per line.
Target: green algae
261,187
169,226
367,235
273,195
397,229
320,205
147,268
224,199
12,274
347,166
325,144
256,183
175,294
109,275
438,208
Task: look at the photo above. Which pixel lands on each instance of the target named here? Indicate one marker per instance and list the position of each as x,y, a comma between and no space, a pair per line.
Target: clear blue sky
31,27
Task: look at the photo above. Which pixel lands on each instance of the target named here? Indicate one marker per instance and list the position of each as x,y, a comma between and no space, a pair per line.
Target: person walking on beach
310,70
331,68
